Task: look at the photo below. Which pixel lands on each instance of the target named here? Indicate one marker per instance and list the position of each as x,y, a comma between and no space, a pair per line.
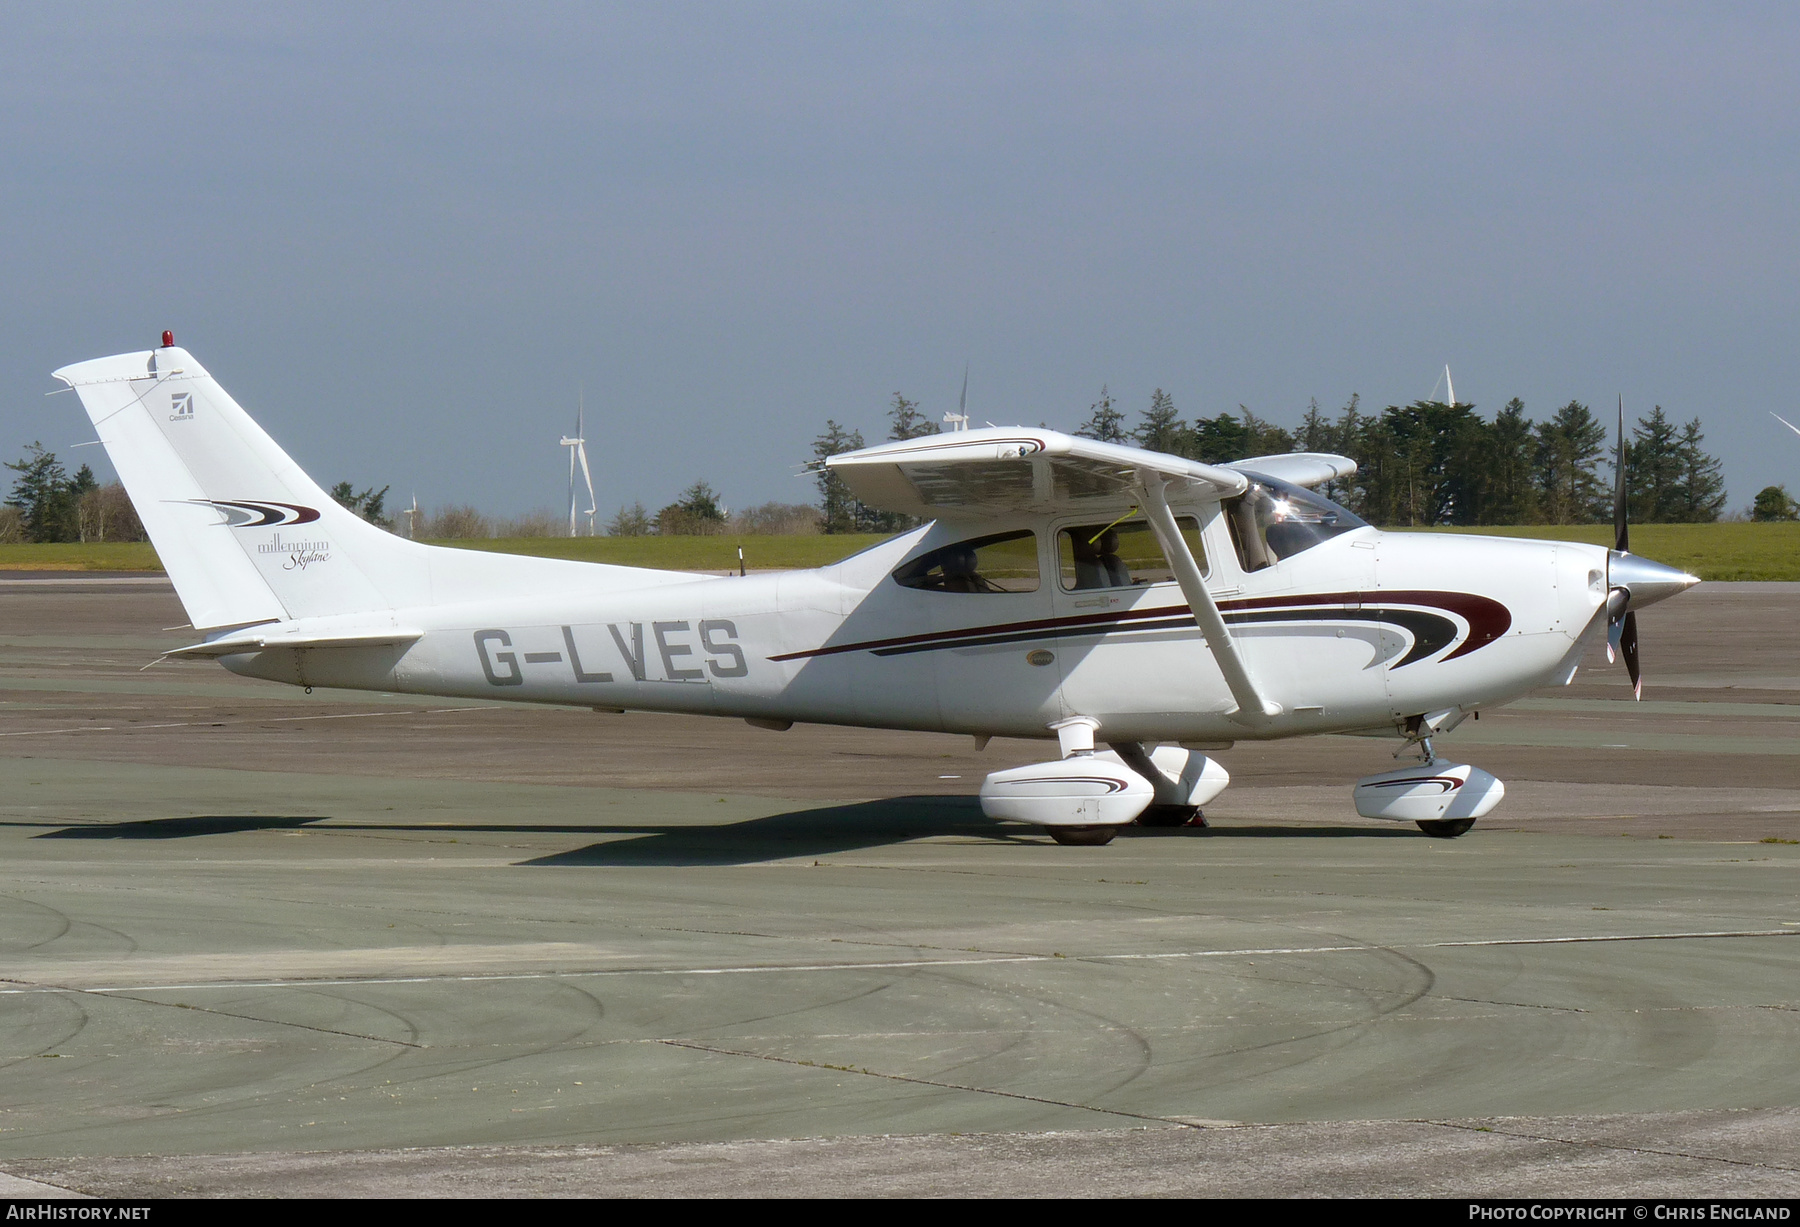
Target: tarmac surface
259,942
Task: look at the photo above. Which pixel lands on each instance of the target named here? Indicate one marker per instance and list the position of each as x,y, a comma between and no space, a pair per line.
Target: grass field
105,556
671,553
1711,551
687,553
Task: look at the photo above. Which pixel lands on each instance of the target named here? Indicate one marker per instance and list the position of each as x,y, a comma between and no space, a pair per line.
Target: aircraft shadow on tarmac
846,828
806,832
798,833
177,828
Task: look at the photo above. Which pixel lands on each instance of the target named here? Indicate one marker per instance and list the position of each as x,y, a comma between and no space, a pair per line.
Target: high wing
1298,468
1001,470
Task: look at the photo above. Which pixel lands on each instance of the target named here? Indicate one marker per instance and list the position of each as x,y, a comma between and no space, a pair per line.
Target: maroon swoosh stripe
1487,619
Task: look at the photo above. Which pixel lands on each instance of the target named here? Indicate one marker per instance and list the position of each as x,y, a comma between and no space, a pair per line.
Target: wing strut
1251,706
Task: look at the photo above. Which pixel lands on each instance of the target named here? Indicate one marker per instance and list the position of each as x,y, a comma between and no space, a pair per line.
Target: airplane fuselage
1358,632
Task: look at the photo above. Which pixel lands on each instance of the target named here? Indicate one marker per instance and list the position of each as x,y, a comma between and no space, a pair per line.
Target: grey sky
404,236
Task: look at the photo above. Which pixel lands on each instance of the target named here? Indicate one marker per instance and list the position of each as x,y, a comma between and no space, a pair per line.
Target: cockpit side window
1004,562
1122,554
1273,520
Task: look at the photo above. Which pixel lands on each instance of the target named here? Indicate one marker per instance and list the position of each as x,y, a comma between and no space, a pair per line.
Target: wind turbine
412,516
960,419
578,448
1449,388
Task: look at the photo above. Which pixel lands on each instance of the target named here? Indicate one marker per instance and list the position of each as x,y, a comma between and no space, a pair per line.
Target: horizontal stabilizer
261,639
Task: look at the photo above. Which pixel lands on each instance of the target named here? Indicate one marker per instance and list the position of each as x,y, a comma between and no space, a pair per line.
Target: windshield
1273,520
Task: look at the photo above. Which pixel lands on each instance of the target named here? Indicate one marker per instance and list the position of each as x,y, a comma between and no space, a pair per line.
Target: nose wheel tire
1168,815
1083,837
1446,828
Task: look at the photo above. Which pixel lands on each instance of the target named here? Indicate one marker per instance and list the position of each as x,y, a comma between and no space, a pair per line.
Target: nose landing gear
1443,798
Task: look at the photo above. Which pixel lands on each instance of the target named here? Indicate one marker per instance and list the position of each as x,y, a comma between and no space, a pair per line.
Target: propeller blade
1621,530
1628,644
1616,601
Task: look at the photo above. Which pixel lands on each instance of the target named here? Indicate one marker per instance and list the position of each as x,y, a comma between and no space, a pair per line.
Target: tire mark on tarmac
24,987
219,724
81,1020
1344,1033
569,1042
808,1007
61,917
127,995
1053,1006
946,1086
1618,1146
1523,1005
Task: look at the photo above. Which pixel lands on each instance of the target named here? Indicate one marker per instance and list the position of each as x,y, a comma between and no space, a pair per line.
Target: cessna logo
242,513
183,405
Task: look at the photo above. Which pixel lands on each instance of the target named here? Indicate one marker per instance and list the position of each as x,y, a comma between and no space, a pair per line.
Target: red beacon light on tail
168,339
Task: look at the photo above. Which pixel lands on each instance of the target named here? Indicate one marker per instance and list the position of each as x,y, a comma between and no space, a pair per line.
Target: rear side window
1122,554
1004,562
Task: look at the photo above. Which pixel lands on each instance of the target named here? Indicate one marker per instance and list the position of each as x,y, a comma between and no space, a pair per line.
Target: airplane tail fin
245,535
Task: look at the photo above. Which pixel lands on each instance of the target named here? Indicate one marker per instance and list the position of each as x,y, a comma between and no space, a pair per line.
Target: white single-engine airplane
1064,588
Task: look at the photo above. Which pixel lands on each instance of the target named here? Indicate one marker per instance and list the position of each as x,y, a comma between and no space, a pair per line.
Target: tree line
698,512
48,503
1430,462
1425,463
841,511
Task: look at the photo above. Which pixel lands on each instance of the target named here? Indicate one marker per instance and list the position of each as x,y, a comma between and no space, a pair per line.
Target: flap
1002,470
1299,468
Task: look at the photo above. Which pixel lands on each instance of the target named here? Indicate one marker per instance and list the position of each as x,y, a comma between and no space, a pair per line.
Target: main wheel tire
1446,828
1083,837
1168,815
